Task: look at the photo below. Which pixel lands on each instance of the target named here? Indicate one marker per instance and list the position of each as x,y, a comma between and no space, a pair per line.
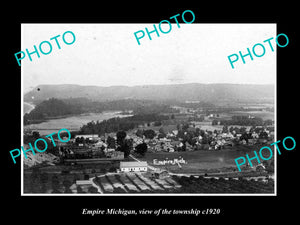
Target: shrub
86,177
92,190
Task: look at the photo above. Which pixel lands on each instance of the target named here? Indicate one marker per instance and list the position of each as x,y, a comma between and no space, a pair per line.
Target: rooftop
133,164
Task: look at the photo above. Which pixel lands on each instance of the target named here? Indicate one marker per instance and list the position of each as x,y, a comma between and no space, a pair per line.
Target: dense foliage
243,121
117,124
64,107
123,144
50,108
212,185
31,138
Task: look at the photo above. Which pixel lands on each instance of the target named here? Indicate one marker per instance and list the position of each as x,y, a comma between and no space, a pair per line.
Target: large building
89,136
133,166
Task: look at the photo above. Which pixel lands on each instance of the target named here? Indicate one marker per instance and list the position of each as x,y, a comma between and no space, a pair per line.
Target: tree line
243,121
63,107
117,123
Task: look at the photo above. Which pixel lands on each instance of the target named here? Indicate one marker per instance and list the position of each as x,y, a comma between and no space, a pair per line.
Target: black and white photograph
129,109
149,112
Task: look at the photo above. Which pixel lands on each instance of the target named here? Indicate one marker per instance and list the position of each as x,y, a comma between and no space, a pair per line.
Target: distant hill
181,92
50,108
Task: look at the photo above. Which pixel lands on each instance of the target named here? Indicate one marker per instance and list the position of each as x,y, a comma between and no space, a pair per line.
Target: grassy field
134,183
223,185
142,183
201,161
265,115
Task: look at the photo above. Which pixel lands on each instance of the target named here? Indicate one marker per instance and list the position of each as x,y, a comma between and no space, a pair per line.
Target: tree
92,190
67,184
244,136
121,137
149,133
214,122
263,135
141,149
124,145
161,130
225,129
111,142
179,127
128,147
35,134
160,135
139,133
157,123
180,134
192,141
268,122
243,129
185,126
197,133
204,139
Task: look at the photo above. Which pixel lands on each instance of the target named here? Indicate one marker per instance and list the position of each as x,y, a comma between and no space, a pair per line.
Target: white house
89,136
133,166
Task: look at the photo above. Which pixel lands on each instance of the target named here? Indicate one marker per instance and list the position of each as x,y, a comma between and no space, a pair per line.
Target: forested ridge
53,108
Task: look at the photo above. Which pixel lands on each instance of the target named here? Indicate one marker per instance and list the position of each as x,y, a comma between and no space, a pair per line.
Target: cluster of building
208,140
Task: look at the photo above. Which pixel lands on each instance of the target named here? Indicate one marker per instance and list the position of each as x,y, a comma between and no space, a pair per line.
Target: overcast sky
108,54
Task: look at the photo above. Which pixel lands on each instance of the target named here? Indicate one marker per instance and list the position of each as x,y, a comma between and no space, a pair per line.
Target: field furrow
150,182
106,185
163,183
116,183
128,183
138,182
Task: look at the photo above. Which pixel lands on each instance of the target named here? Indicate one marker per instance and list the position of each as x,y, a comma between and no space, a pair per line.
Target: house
165,139
255,135
238,135
115,155
175,132
89,136
176,143
261,140
251,141
243,142
226,135
99,144
141,166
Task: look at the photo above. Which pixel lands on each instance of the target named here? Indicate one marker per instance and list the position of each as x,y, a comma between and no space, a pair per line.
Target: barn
133,166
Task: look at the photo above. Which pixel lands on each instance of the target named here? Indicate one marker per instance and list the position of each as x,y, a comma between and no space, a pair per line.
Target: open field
109,183
201,161
40,179
127,183
265,115
224,185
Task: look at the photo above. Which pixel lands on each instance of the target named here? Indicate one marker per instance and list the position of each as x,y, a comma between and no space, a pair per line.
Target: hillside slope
180,92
